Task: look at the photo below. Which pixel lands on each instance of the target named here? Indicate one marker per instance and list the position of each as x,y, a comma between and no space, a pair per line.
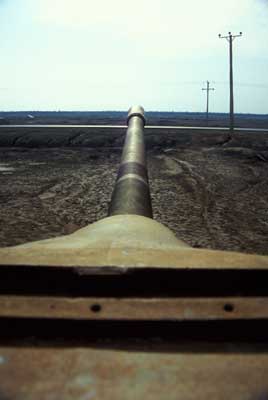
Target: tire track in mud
82,193
201,191
53,193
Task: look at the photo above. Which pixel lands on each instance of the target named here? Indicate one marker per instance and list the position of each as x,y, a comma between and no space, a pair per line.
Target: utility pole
207,90
230,38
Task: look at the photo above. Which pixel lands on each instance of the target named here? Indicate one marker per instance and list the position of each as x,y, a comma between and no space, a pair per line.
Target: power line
230,38
244,84
207,90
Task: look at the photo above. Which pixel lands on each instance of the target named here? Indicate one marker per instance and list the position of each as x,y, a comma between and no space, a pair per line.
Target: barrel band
132,176
132,168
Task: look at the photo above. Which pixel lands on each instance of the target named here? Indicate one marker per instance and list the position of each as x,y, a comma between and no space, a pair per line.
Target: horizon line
125,111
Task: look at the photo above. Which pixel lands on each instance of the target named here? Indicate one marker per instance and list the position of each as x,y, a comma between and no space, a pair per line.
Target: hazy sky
110,54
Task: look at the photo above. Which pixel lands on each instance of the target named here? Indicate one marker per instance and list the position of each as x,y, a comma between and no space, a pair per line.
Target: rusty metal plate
149,372
134,308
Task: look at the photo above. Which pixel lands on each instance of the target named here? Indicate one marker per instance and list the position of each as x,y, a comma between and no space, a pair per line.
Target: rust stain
86,373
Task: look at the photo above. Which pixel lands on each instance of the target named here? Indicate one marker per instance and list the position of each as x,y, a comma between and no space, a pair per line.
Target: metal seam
132,176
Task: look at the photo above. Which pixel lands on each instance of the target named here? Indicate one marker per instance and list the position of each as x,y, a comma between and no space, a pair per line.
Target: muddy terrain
210,190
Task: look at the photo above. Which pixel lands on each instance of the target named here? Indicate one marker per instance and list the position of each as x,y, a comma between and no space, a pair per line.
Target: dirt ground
211,192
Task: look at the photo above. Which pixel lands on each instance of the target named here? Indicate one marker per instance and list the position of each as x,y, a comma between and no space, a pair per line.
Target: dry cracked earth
211,193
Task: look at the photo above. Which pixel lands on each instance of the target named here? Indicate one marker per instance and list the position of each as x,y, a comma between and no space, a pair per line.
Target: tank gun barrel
131,194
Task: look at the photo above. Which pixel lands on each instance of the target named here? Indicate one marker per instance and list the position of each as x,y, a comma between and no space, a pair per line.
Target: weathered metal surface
104,308
144,371
131,194
70,251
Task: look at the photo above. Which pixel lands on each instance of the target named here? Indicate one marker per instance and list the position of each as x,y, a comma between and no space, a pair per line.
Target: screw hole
95,308
52,306
228,307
